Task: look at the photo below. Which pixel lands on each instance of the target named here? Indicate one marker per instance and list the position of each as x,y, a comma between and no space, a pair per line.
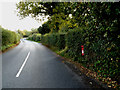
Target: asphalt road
32,65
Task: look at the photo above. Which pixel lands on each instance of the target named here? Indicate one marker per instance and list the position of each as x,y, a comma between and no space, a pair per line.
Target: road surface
32,65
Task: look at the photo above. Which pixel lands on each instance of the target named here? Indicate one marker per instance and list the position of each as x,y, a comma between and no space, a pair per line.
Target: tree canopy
36,9
94,25
94,15
44,29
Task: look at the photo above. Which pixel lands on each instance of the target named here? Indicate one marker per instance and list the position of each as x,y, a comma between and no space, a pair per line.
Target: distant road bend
32,65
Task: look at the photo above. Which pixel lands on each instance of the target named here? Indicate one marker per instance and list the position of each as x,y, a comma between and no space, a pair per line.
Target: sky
9,19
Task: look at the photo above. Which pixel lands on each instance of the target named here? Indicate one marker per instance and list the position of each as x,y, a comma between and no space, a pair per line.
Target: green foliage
100,54
57,11
9,38
35,37
74,42
35,9
25,33
66,25
0,36
94,25
34,30
21,33
56,40
6,47
44,29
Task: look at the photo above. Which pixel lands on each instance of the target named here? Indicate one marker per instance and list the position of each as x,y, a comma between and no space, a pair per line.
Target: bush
74,42
56,40
44,29
9,38
101,53
35,37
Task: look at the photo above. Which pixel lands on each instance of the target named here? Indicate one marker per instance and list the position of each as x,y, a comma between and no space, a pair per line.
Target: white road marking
18,74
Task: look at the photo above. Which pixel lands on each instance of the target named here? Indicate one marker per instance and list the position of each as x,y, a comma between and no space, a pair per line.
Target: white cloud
10,20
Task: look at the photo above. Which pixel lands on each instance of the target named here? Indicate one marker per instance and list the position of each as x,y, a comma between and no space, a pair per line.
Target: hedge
56,40
35,37
9,38
101,54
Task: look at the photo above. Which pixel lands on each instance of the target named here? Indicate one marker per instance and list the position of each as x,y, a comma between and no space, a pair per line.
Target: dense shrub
35,37
101,53
57,40
44,29
9,38
73,43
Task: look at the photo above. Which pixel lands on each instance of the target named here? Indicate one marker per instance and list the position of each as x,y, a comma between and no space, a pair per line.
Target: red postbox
82,49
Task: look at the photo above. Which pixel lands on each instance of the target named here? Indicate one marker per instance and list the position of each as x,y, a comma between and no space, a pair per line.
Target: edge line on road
20,70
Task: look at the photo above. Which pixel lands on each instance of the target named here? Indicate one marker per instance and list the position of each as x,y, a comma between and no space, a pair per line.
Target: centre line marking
18,74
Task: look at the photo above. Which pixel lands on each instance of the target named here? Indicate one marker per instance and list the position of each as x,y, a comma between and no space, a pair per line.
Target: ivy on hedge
101,54
55,39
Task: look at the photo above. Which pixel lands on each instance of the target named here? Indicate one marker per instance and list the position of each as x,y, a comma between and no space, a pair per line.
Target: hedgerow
9,38
35,37
57,40
101,54
94,25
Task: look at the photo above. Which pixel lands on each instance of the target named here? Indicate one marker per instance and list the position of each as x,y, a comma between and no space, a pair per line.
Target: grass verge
103,82
89,73
7,47
33,40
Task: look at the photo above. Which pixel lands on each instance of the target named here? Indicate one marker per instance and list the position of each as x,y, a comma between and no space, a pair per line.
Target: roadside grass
105,82
34,41
82,67
7,47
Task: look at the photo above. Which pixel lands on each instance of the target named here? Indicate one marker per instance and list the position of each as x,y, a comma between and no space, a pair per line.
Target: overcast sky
10,20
